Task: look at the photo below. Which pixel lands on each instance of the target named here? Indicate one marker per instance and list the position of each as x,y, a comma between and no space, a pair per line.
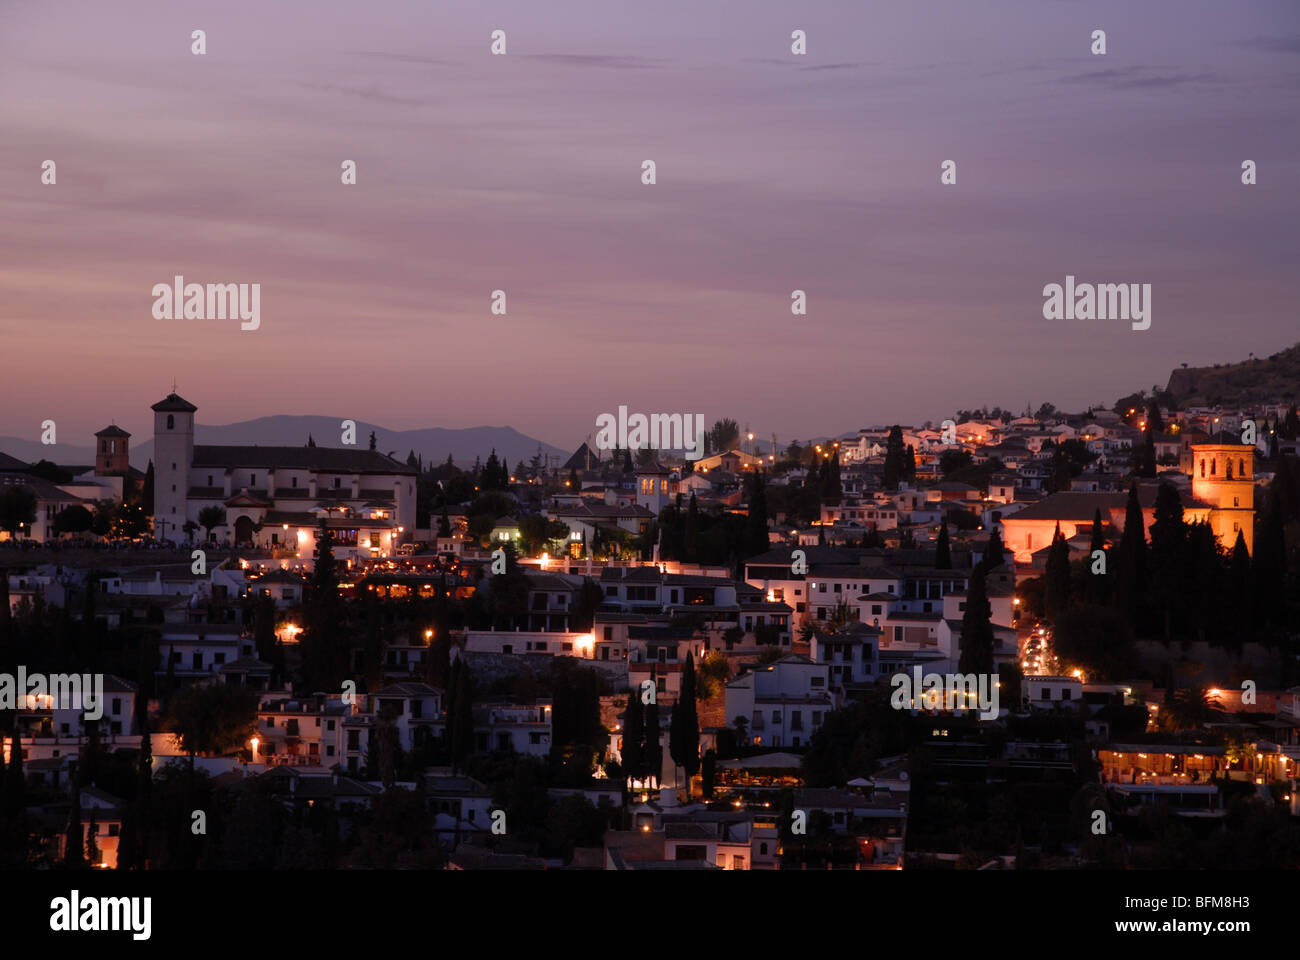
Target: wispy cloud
591,60
1140,78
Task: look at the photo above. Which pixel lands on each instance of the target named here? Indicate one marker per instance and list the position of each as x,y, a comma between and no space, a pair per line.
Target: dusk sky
523,172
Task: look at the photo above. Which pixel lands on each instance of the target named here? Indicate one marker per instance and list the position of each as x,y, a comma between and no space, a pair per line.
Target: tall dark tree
909,464
942,550
74,847
92,843
894,465
1240,593
1097,590
832,487
684,727
633,749
691,535
978,640
1155,423
462,744
15,786
1056,578
1147,459
756,520
444,523
1131,564
1168,556
146,493
654,751
1270,562
994,553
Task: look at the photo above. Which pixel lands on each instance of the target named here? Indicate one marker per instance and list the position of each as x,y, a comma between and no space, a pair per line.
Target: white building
784,702
276,496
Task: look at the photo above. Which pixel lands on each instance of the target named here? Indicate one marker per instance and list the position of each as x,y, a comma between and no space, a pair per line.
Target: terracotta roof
173,403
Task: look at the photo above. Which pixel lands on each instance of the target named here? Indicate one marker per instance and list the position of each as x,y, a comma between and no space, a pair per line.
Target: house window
294,482
117,705
171,422
818,681
337,482
776,716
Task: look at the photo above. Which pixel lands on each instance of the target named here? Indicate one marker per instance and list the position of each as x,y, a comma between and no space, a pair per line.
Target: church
275,497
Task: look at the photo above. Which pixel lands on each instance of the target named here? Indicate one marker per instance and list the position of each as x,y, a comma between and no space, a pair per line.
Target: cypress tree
1131,568
1168,554
1056,579
1155,424
1097,590
756,521
92,844
632,752
654,751
708,767
692,532
74,849
684,728
462,746
15,801
977,639
943,552
894,465
994,553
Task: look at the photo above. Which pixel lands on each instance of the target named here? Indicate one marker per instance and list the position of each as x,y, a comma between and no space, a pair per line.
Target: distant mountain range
433,443
1275,379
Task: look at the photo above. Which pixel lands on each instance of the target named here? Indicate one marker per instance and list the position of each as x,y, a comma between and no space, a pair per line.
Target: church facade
276,497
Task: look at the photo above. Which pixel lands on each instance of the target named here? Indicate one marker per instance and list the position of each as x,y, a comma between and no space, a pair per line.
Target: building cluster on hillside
816,617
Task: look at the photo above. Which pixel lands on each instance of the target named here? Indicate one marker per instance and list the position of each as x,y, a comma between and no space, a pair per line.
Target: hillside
1274,379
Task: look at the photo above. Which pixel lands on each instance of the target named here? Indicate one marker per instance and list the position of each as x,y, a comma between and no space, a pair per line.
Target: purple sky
522,172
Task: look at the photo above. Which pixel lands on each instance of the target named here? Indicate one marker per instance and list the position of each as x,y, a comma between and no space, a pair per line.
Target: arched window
1228,469
1241,468
171,422
1202,466
1213,463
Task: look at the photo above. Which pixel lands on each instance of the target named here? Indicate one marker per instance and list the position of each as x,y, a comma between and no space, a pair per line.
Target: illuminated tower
1223,475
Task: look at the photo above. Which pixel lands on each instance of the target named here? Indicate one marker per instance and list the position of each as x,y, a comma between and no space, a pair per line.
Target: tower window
1202,466
171,422
1241,468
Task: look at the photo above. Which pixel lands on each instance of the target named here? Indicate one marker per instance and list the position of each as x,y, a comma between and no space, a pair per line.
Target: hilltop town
632,660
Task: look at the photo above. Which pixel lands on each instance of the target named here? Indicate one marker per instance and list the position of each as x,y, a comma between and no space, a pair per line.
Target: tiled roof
331,459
